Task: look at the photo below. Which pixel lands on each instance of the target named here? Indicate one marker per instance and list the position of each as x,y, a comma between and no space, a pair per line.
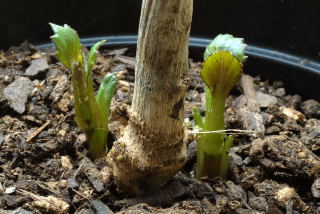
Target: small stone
119,51
312,125
10,190
66,163
235,192
247,160
51,145
311,108
236,158
265,100
280,92
17,93
239,102
252,120
315,188
100,207
119,67
19,211
36,66
72,183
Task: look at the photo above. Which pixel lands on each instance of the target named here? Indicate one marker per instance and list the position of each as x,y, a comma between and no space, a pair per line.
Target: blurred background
292,26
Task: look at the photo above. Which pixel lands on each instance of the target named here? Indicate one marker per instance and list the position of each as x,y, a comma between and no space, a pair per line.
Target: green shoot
91,112
221,71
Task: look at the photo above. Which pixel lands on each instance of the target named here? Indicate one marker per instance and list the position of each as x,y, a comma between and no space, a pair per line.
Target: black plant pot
300,75
291,26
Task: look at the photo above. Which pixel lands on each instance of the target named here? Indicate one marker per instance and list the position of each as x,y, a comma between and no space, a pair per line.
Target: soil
274,165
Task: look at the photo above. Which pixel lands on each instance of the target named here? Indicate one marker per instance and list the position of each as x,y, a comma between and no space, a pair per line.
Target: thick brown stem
153,148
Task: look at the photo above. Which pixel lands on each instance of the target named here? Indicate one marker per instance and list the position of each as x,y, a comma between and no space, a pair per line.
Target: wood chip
292,113
38,131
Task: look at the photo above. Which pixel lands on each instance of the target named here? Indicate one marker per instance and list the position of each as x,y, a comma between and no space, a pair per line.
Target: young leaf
92,57
68,45
105,93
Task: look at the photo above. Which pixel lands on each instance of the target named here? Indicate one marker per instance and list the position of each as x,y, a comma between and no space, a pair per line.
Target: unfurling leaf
105,94
226,42
67,44
221,71
92,57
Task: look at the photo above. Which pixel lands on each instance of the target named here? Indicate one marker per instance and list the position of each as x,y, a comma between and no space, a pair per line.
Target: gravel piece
280,92
17,93
37,66
251,120
235,192
100,207
265,100
72,183
311,108
19,211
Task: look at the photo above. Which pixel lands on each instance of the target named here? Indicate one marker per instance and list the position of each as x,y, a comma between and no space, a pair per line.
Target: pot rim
201,42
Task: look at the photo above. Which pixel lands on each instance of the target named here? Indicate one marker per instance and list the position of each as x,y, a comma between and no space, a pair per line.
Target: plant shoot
91,111
223,60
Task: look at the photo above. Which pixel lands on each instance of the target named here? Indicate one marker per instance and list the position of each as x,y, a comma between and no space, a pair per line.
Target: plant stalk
212,158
